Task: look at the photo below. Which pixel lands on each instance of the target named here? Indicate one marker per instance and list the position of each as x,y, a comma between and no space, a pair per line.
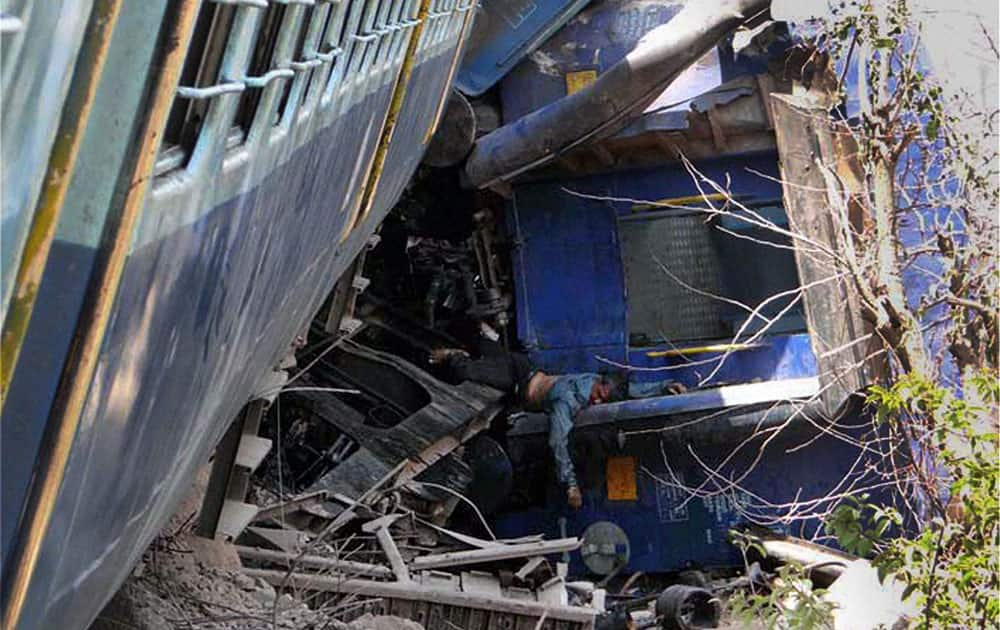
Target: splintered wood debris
397,563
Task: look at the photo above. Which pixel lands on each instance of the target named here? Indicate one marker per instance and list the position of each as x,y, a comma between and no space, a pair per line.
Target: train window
260,64
386,15
311,45
365,39
300,40
334,37
201,69
677,264
345,41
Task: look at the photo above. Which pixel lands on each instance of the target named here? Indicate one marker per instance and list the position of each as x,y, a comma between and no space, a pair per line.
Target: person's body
560,397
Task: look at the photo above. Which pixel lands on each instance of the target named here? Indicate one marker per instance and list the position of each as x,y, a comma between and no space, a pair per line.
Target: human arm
560,425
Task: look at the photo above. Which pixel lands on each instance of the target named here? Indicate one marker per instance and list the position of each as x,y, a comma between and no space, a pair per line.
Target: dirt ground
188,582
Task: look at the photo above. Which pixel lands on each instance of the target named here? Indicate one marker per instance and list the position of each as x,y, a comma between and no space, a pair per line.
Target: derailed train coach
183,183
664,248
208,171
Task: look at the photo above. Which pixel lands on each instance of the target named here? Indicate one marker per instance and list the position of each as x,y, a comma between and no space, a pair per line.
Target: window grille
201,70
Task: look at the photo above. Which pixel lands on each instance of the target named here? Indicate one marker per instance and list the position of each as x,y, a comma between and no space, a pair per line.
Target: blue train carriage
622,259
507,31
184,182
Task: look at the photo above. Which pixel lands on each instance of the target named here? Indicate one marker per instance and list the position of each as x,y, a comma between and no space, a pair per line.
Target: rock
287,602
264,595
244,581
214,553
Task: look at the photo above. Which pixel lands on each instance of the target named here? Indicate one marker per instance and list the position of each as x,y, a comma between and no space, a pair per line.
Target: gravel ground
192,583
175,587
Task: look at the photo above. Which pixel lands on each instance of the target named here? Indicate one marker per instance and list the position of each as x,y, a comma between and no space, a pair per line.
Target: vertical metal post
228,481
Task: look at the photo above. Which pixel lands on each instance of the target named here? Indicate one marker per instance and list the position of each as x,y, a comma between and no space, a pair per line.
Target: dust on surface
175,587
188,582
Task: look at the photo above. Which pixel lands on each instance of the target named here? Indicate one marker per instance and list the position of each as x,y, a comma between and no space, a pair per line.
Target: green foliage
939,148
942,153
790,603
951,566
860,527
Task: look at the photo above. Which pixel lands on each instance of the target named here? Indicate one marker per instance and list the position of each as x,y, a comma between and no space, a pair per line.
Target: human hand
443,355
673,388
574,498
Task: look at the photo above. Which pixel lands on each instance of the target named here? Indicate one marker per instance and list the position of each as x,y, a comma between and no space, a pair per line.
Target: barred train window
334,37
260,64
316,18
201,69
337,37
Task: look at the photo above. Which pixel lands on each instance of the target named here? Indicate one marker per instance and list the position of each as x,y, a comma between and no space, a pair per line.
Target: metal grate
253,63
242,47
660,308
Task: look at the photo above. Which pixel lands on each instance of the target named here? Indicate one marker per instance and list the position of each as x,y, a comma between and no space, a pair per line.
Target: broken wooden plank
381,528
529,567
820,176
417,592
343,567
493,554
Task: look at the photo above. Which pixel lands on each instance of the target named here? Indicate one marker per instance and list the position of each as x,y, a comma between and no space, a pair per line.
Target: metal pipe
295,560
718,347
81,362
734,397
615,98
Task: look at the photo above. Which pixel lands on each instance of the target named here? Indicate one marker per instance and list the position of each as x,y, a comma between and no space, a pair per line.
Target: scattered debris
682,607
470,588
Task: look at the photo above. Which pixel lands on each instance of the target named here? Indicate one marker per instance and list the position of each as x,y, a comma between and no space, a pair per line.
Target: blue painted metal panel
780,357
578,359
105,144
595,40
571,298
560,235
668,528
504,32
570,287
203,313
34,81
